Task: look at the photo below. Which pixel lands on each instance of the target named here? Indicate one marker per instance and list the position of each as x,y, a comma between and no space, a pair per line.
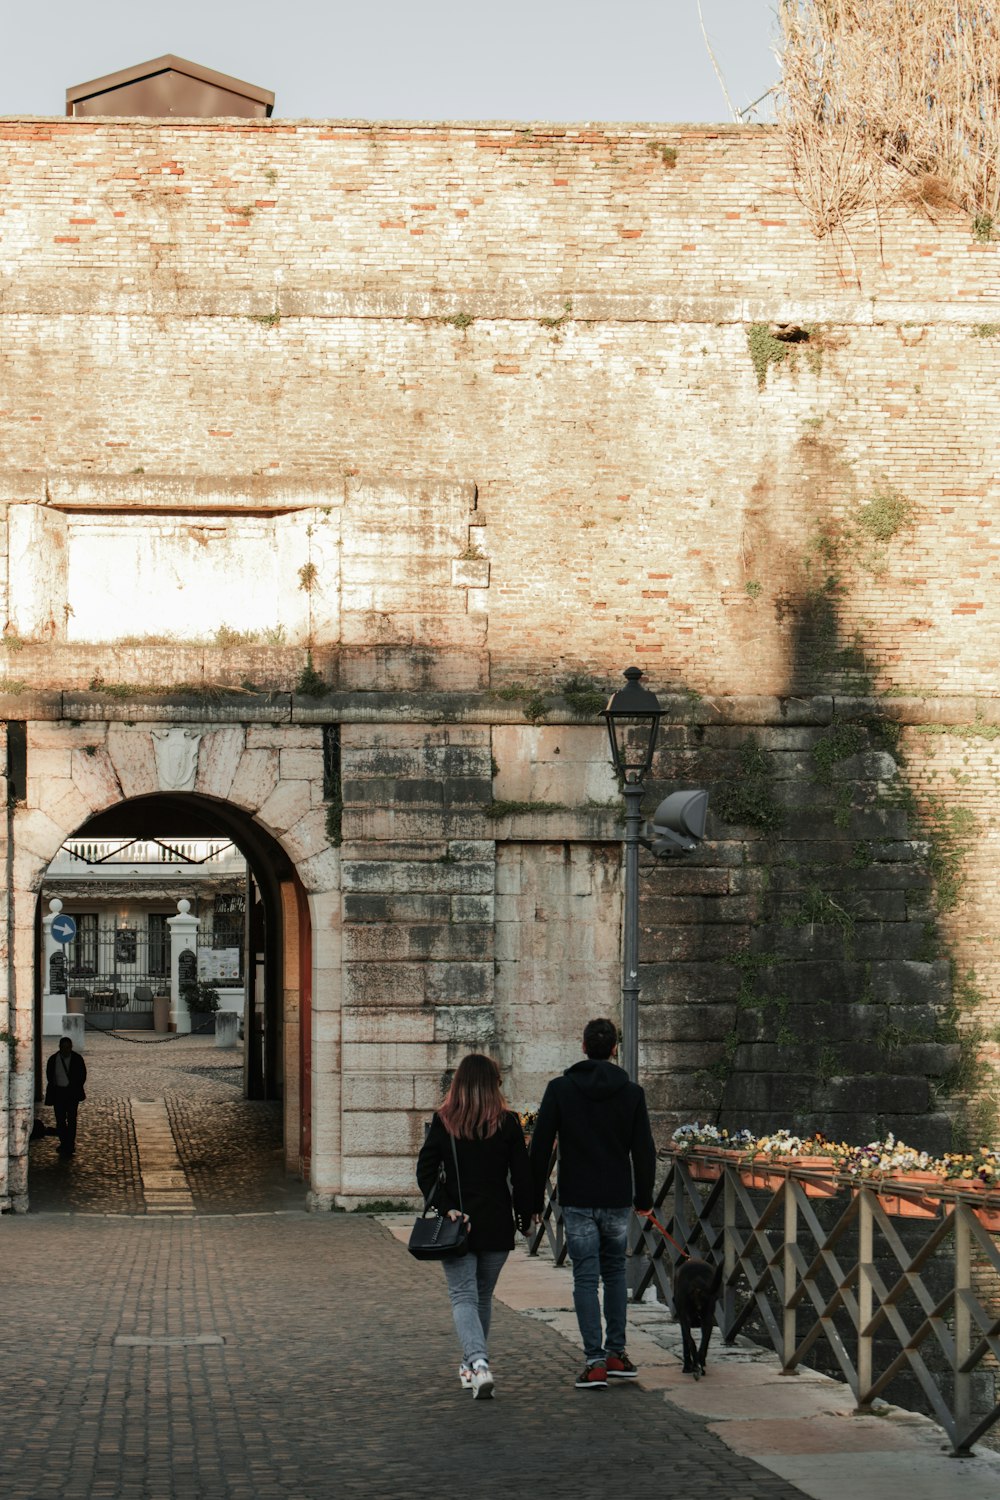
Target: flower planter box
899,1206
764,1178
707,1163
816,1176
702,1170
988,1216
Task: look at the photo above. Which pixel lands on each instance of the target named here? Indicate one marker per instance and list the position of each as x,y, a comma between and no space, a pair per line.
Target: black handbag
435,1236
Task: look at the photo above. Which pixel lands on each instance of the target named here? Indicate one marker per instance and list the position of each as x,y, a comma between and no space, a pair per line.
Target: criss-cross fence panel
813,1261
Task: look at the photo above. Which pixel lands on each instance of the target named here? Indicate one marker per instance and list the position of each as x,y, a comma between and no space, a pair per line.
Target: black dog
696,1290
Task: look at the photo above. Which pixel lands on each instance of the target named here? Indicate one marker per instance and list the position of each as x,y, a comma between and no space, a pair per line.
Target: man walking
607,1163
65,1075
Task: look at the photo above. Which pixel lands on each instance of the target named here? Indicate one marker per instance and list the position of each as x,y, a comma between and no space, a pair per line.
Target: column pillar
183,962
53,1002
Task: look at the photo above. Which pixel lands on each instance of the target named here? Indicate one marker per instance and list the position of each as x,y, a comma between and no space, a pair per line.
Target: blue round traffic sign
63,928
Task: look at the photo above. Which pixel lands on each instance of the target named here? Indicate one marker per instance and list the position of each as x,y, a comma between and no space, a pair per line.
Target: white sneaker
482,1383
465,1377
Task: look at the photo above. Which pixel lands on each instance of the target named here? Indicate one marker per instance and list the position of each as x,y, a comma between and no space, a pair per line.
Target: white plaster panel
131,752
186,576
36,594
218,761
255,779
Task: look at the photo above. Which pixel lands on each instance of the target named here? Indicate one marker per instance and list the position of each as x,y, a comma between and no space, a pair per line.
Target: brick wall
512,394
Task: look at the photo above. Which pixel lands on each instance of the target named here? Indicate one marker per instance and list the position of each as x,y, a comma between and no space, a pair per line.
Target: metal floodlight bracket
678,824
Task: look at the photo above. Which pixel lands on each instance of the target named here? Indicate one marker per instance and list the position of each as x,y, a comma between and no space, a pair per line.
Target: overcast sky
409,59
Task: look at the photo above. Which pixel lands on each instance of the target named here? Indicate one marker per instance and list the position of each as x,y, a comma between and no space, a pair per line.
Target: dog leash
647,1213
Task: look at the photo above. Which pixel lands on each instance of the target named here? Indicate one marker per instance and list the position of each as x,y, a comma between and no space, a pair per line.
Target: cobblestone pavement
230,1148
326,1367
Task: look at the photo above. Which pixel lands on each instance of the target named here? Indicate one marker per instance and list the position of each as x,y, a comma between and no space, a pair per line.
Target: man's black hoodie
607,1158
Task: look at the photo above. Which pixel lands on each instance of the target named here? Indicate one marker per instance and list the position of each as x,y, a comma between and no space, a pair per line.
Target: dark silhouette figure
65,1076
696,1290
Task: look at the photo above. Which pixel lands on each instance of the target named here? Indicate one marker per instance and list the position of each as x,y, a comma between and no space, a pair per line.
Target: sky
642,60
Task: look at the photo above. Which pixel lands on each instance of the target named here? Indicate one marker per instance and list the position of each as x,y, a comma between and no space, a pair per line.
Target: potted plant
202,999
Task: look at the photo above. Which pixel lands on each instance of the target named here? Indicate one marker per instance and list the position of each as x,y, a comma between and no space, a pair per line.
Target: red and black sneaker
593,1378
620,1367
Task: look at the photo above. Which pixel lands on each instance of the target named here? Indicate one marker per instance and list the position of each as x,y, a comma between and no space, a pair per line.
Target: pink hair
474,1107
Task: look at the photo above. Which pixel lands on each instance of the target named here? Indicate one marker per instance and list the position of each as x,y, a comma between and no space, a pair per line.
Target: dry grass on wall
889,101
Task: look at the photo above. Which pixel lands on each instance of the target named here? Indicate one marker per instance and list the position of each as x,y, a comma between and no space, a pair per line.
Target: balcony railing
891,1278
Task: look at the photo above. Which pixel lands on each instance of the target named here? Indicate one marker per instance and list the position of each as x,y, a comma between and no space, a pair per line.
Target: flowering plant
686,1136
972,1166
886,1159
870,1163
527,1117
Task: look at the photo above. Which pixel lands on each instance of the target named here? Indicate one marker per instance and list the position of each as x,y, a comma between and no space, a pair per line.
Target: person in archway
65,1076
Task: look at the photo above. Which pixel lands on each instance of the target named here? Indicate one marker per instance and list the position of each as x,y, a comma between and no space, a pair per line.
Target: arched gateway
259,785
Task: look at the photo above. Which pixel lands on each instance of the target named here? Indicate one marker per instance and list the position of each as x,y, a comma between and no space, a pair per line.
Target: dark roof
169,86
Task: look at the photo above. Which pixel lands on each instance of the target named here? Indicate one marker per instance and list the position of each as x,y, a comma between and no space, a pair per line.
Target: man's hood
598,1080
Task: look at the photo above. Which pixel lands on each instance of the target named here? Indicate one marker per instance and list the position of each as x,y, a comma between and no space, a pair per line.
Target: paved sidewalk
309,1357
802,1428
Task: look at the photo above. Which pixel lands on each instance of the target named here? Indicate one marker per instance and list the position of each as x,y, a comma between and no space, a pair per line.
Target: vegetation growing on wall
745,796
532,701
311,684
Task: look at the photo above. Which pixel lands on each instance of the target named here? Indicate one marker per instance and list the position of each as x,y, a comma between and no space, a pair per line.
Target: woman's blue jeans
597,1239
471,1279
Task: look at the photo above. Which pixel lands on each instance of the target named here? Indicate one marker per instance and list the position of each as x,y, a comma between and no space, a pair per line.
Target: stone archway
262,786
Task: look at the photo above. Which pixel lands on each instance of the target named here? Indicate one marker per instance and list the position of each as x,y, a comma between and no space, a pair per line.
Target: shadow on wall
796,972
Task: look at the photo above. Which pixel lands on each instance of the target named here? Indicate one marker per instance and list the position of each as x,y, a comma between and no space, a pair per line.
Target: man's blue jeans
597,1239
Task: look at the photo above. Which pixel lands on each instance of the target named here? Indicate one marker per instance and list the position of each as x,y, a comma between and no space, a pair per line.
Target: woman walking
489,1148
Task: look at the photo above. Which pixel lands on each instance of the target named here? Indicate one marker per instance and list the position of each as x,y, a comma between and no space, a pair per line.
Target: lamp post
633,718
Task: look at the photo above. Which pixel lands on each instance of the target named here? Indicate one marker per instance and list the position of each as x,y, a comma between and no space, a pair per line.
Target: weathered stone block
911,982
471,909
472,1025
385,984
459,983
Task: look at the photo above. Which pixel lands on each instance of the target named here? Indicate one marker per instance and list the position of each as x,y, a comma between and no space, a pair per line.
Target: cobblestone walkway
321,1363
228,1149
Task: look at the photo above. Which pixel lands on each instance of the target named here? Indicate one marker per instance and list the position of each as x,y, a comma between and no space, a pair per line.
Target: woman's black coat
484,1167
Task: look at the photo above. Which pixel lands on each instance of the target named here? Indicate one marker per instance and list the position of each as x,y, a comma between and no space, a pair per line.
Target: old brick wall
559,316
437,411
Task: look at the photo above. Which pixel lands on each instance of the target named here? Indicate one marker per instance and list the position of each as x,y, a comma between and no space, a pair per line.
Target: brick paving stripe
164,1185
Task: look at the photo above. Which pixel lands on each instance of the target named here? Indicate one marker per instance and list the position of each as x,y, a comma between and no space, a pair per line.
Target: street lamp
633,718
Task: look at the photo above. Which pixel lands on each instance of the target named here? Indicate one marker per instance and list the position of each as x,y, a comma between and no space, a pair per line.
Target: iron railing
891,1279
